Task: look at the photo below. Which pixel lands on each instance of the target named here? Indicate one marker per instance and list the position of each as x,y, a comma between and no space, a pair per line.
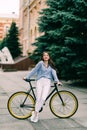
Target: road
11,82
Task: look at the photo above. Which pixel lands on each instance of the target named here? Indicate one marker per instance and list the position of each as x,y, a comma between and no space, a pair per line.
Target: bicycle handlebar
29,80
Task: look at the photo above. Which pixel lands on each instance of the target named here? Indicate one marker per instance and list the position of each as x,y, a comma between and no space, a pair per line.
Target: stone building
5,23
28,27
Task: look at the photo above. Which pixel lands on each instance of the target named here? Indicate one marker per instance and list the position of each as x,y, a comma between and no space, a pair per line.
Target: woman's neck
46,63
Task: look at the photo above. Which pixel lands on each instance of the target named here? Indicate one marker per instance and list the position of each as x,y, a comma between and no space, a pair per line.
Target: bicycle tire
16,109
70,104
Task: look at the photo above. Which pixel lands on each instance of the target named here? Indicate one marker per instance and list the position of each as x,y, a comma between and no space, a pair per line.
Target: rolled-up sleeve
54,75
34,70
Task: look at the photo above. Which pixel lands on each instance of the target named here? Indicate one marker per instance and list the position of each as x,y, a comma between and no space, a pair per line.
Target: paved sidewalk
11,82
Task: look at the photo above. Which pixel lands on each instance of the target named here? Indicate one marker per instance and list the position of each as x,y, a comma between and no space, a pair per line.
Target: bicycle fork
59,95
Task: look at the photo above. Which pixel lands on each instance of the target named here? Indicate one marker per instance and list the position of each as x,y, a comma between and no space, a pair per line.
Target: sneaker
34,118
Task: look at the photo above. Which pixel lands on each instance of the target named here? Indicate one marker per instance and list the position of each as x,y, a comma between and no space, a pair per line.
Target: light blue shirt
42,71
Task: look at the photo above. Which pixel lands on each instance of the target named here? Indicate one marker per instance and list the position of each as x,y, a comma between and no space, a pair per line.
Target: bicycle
63,104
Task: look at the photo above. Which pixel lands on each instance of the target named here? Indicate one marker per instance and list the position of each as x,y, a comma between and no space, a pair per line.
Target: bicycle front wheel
66,109
20,105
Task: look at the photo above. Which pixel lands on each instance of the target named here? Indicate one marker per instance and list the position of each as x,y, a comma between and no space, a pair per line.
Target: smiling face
46,56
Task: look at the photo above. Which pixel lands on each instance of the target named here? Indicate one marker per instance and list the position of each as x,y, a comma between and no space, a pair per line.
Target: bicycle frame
62,104
54,90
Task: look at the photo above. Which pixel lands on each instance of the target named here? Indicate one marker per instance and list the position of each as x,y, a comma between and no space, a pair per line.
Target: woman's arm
34,70
55,77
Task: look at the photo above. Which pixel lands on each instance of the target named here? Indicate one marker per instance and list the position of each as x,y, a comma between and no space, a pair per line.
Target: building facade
29,13
5,23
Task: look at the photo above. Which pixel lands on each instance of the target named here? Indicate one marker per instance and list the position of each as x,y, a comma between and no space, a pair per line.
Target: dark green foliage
64,24
3,43
12,41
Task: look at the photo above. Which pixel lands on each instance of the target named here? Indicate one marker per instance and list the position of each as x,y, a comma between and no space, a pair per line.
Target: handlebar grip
55,83
28,80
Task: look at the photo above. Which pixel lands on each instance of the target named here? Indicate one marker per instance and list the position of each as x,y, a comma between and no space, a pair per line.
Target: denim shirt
42,71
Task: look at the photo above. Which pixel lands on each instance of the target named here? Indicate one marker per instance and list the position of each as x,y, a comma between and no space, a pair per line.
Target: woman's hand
59,83
24,78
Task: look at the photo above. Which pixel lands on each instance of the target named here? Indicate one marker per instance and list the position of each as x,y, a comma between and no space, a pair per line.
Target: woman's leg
34,116
42,93
46,89
39,89
42,90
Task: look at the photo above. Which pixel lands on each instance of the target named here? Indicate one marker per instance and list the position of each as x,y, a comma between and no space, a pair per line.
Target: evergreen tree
64,27
0,42
3,43
12,41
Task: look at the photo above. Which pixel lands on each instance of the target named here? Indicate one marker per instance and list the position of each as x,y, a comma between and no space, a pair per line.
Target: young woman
45,73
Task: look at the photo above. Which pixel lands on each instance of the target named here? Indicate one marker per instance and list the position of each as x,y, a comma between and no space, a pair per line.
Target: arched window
6,29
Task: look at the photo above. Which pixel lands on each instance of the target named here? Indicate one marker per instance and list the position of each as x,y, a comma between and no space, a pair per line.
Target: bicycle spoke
64,110
18,108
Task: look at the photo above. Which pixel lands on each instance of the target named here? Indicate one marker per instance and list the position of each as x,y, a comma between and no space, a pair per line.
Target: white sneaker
34,118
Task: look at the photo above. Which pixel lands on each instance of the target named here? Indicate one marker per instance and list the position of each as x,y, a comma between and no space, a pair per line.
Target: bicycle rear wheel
20,105
67,109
